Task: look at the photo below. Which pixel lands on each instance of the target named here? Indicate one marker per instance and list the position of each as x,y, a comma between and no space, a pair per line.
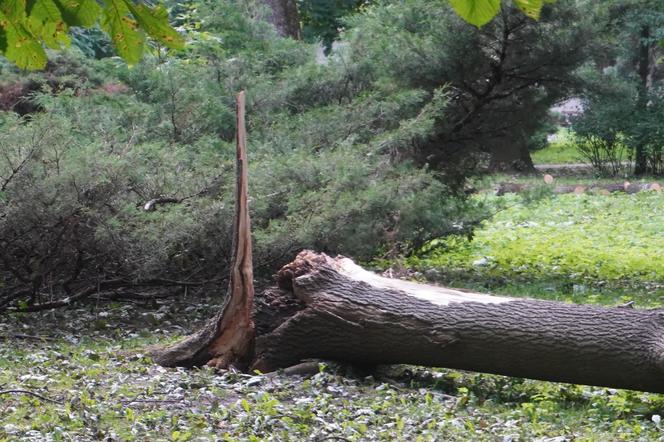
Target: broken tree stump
227,339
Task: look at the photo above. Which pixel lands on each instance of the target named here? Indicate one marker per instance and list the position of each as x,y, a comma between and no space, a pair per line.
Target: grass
107,389
585,239
572,248
560,151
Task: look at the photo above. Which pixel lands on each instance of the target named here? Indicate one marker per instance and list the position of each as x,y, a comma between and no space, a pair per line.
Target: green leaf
155,22
26,25
245,405
22,47
82,13
531,8
476,12
45,21
44,10
124,31
13,10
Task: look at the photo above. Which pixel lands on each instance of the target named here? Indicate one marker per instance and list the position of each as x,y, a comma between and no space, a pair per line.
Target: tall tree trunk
285,17
640,154
511,155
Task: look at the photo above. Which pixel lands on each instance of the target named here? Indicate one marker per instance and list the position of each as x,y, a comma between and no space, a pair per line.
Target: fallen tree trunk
602,189
333,309
354,315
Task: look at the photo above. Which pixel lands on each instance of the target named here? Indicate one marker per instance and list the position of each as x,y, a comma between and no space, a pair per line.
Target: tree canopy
29,26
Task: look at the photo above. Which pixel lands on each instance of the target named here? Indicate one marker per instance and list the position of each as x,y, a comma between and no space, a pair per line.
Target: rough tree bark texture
346,313
511,156
228,338
285,17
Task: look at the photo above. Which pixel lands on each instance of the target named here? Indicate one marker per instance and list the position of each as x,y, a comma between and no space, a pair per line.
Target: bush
327,169
601,131
73,216
606,155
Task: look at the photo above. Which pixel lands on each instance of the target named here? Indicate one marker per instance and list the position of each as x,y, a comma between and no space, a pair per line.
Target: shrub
351,157
325,171
601,131
605,155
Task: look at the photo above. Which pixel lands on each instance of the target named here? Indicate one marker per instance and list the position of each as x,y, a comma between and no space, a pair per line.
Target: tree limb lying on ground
605,189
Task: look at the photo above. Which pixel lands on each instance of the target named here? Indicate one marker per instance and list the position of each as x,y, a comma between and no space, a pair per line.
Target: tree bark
333,309
285,17
353,315
641,156
228,338
511,155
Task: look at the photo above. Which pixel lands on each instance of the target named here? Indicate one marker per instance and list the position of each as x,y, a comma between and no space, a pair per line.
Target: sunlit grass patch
560,151
614,239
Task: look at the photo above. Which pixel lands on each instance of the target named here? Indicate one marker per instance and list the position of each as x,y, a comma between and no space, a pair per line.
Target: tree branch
31,393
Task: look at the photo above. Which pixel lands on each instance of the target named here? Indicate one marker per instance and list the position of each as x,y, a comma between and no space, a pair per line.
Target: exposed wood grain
366,319
228,338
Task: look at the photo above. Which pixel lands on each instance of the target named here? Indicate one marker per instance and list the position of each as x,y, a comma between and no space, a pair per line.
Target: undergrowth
599,240
93,366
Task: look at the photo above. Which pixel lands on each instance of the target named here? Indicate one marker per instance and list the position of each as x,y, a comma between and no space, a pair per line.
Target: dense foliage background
366,152
88,143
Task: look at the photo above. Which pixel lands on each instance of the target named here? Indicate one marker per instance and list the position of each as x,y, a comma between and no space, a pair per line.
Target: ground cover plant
602,239
92,380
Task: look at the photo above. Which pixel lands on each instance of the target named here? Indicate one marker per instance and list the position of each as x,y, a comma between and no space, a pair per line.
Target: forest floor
82,373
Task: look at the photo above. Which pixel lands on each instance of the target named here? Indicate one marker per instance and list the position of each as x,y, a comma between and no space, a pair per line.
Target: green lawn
561,151
616,239
589,249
